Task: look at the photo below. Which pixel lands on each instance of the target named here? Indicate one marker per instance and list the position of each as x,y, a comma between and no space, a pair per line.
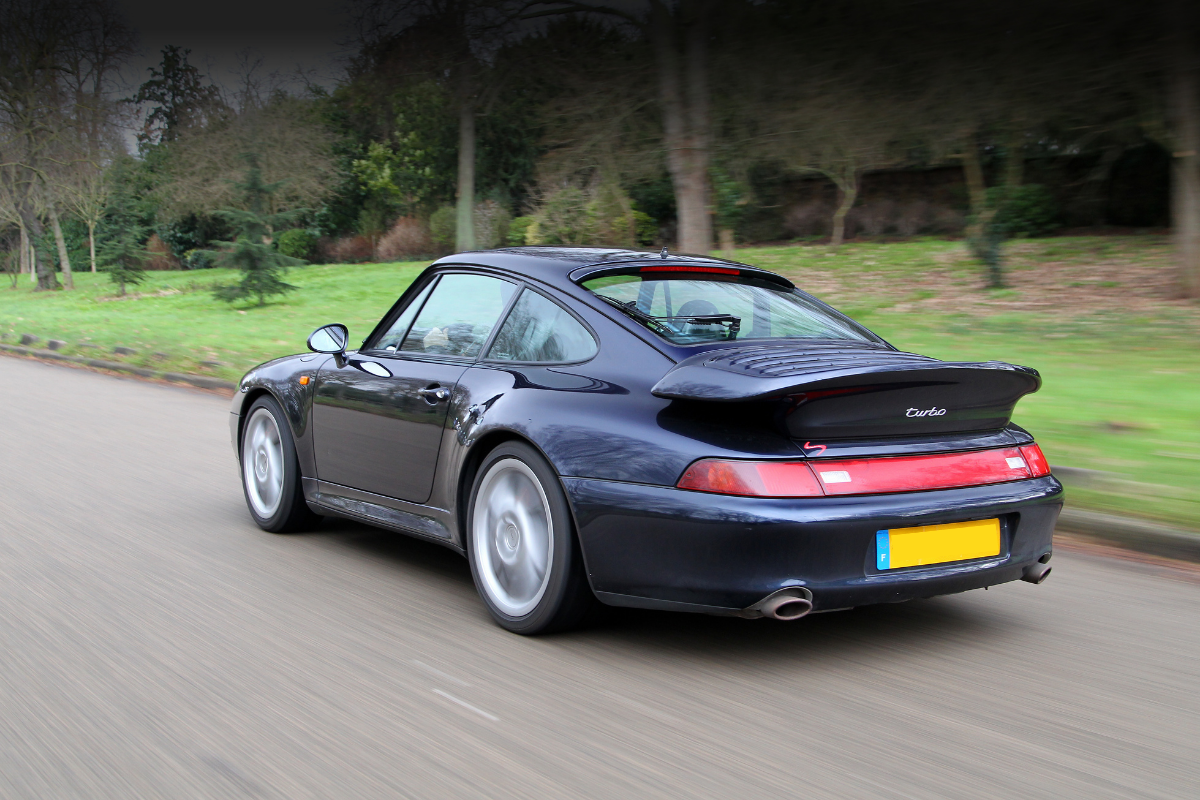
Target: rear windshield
695,309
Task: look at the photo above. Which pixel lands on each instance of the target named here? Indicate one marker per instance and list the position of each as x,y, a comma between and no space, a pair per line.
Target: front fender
281,379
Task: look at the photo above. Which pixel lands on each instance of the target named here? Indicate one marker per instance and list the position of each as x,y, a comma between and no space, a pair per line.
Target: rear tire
271,472
521,543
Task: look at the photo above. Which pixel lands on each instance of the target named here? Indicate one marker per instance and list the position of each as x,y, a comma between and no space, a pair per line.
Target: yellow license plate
937,544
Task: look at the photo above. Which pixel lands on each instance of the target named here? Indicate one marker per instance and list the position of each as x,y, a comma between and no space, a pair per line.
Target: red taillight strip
919,473
840,477
718,270
751,478
1036,460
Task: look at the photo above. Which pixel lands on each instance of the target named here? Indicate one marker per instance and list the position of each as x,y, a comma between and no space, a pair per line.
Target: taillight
919,473
1038,465
839,477
751,478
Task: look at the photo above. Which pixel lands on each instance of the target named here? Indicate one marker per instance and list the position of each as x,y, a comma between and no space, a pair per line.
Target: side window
395,334
540,330
458,316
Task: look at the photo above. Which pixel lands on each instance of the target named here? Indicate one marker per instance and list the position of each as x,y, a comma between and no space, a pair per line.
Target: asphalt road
154,643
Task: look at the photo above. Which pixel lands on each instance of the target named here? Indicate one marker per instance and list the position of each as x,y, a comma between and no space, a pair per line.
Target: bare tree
1183,102
600,120
32,41
828,112
84,189
49,52
679,32
290,144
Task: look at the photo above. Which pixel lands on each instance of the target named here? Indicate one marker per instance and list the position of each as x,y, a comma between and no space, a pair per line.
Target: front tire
271,471
521,544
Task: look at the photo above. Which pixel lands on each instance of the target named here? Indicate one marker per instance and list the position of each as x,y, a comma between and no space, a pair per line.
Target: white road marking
467,705
439,673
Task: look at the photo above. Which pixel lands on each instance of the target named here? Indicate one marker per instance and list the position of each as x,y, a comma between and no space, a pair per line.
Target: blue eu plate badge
882,550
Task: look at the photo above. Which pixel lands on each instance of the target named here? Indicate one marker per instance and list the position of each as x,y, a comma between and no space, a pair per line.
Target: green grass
1121,367
175,314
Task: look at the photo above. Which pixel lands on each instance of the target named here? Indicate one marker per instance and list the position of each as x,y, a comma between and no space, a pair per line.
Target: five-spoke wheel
262,463
271,472
524,557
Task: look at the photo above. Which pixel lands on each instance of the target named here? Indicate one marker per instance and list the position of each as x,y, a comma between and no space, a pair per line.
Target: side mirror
330,339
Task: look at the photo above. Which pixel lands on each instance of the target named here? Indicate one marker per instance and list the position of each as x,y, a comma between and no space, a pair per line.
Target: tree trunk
983,239
1184,94
64,261
46,279
848,189
464,232
686,120
973,174
92,242
25,264
727,249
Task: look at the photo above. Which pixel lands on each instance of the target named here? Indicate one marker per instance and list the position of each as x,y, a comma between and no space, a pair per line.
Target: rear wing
839,390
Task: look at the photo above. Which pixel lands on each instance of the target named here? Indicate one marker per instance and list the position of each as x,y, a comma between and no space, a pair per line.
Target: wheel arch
470,468
252,394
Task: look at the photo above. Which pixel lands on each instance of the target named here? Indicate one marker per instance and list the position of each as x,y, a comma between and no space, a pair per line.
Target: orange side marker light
304,379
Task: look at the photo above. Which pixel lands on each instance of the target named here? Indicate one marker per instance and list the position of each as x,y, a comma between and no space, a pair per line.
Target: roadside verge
1144,536
199,381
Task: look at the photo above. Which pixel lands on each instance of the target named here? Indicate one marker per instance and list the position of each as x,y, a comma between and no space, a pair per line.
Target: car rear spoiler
850,389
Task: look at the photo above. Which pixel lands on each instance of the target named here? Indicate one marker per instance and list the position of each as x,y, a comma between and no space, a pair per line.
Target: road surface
155,644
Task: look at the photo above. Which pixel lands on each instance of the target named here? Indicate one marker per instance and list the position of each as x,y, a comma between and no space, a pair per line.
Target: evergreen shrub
564,218
518,228
1025,211
646,227
297,243
491,226
197,259
442,226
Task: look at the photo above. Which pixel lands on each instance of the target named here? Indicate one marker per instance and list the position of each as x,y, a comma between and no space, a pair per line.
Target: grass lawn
1093,314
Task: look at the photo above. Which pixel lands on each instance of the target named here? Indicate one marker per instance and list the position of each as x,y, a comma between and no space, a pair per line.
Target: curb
199,381
1133,534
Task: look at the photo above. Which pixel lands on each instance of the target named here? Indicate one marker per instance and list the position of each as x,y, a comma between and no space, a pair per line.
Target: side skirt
415,520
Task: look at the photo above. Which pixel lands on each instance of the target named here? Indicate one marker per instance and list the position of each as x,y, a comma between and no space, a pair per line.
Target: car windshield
694,308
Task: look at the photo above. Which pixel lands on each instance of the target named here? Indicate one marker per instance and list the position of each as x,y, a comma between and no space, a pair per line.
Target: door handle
434,394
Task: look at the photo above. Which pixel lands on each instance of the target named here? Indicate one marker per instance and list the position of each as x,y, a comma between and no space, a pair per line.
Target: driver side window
390,341
459,316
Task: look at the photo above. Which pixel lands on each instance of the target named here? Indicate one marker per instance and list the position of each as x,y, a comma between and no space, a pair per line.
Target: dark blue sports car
656,431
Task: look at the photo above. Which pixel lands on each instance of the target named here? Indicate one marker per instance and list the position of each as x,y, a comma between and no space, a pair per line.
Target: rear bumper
659,547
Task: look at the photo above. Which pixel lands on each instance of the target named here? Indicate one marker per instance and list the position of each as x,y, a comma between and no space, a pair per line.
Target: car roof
554,265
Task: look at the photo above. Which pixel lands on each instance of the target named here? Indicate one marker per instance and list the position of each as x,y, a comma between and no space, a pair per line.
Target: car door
378,416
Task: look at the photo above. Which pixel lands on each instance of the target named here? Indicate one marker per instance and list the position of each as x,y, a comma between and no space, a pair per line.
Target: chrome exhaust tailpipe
1036,573
785,604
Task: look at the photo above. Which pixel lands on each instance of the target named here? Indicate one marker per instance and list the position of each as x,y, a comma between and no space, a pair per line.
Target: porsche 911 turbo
654,431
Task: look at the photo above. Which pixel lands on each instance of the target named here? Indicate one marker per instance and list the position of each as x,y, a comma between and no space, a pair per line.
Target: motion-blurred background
973,180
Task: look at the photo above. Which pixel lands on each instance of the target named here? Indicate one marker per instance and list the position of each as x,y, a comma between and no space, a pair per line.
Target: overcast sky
297,34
